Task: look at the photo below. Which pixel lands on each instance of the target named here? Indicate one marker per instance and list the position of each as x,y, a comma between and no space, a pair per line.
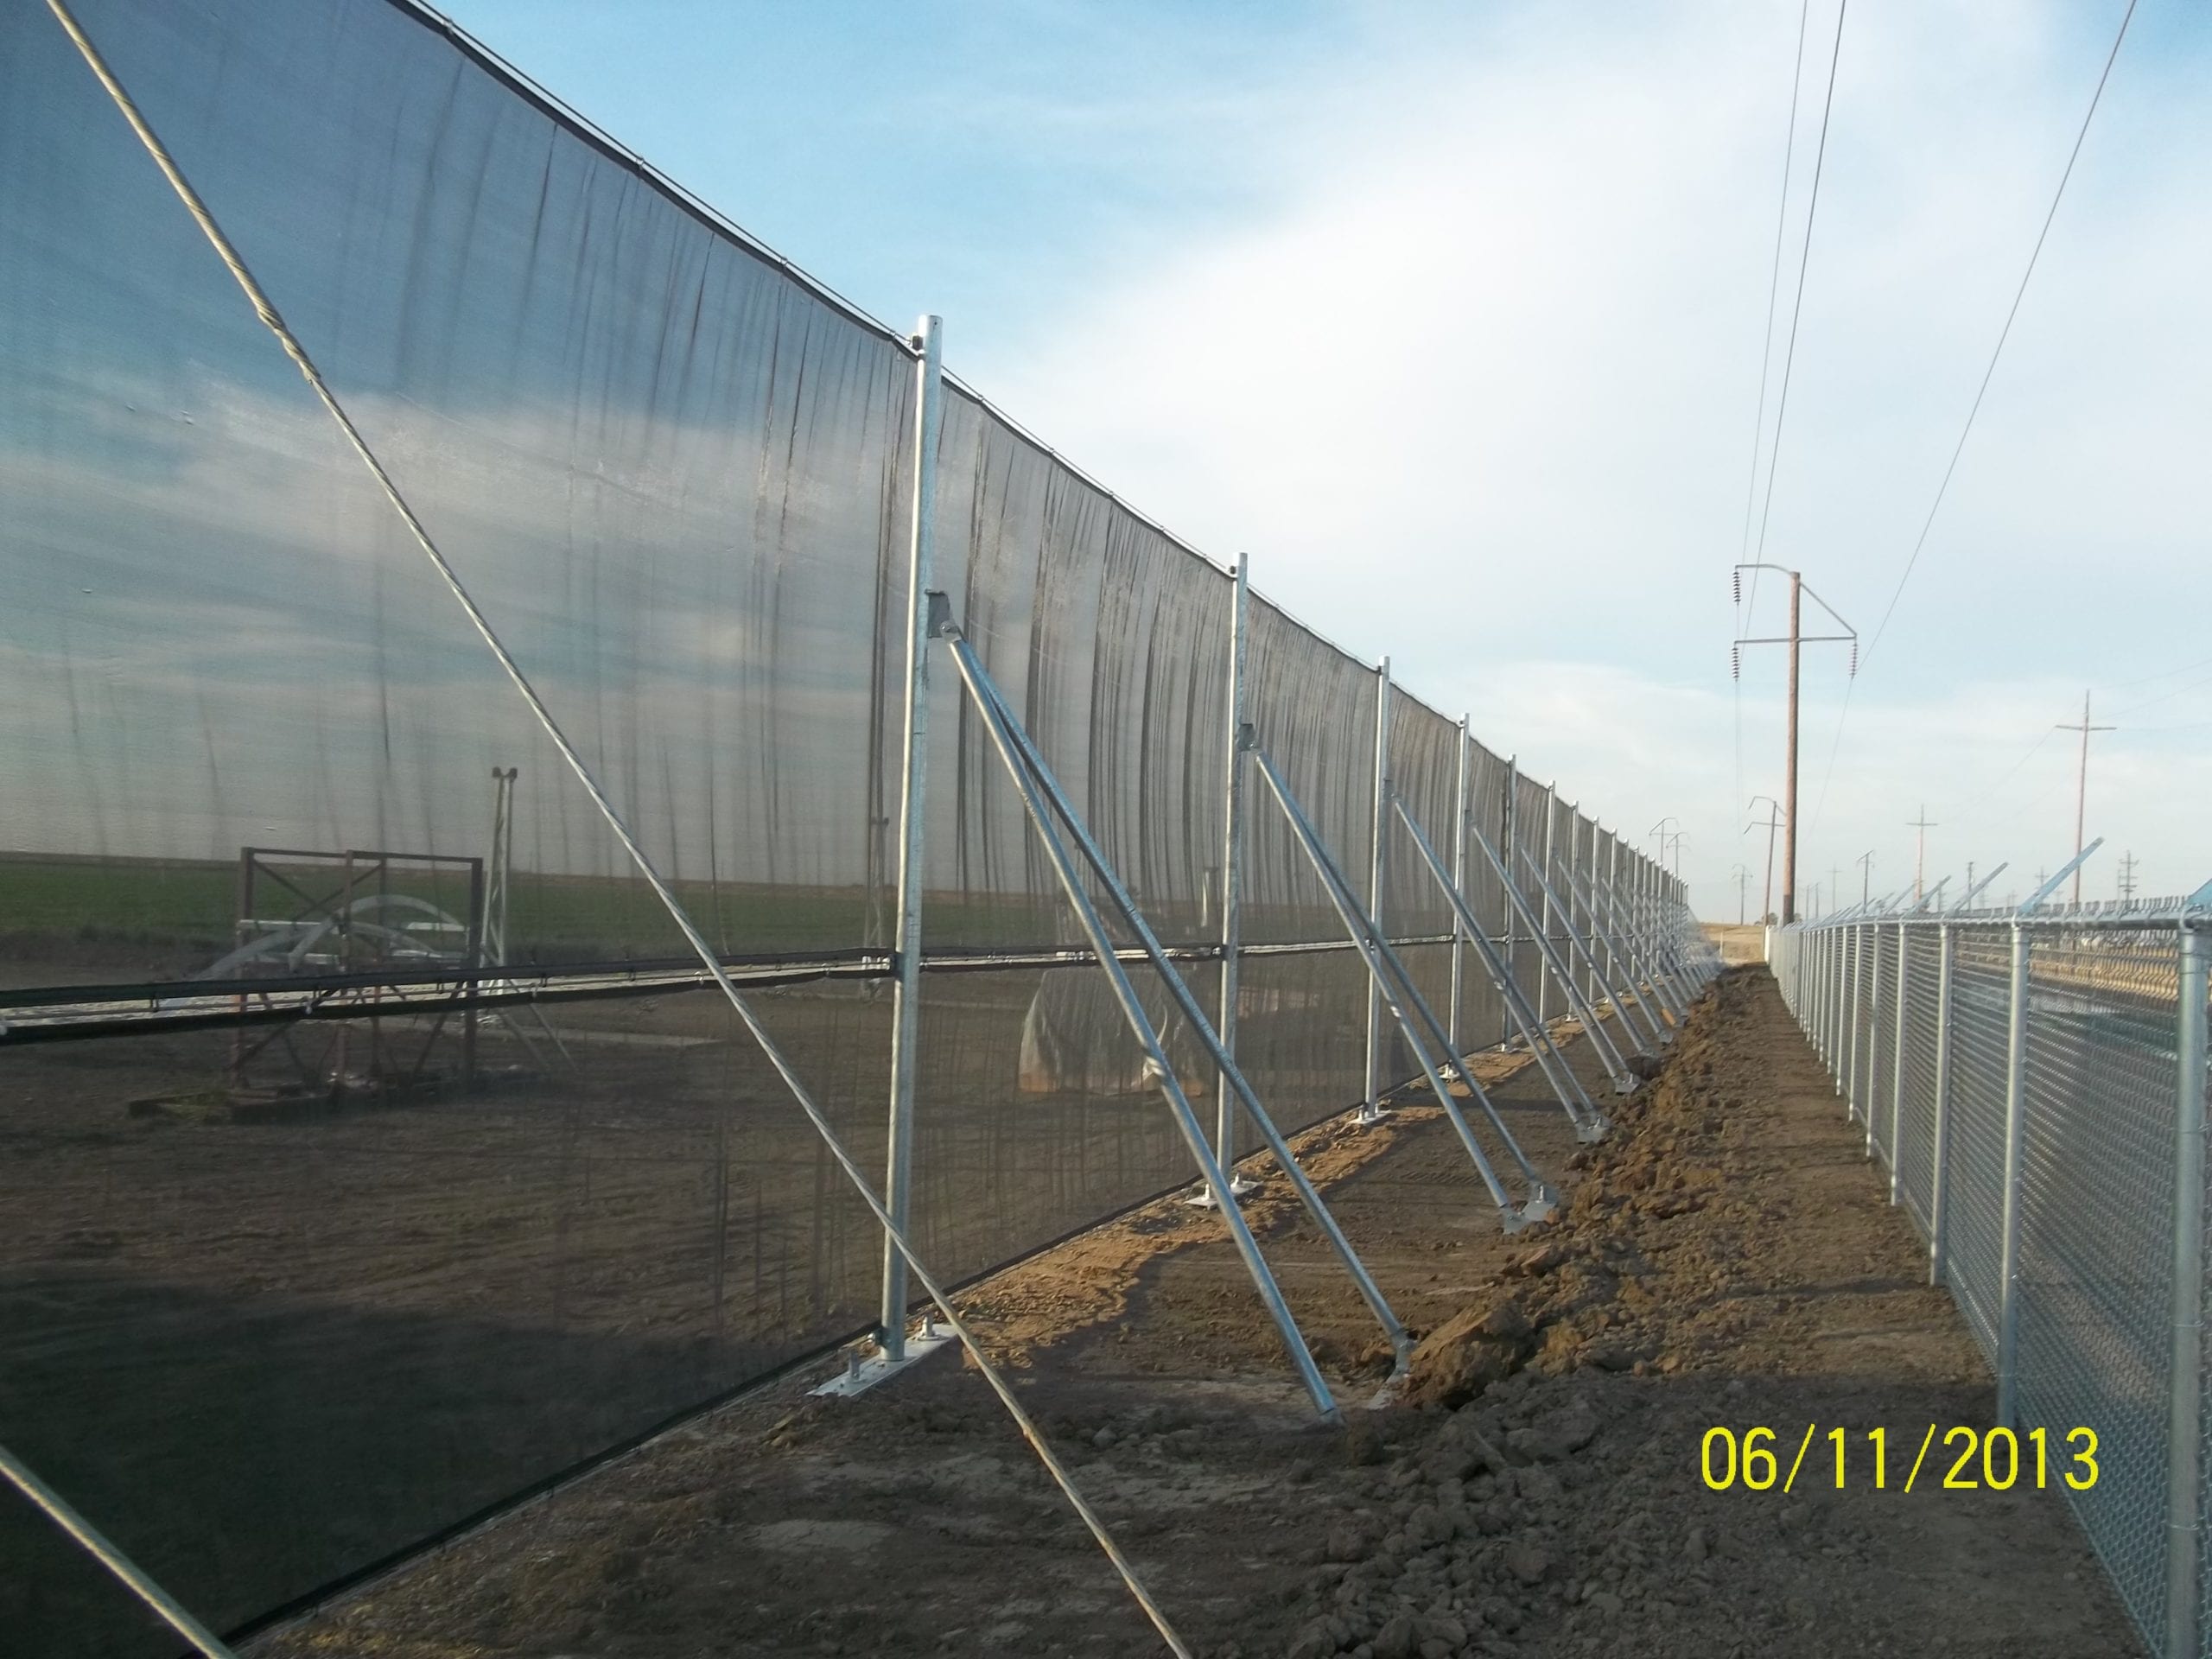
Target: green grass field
50,904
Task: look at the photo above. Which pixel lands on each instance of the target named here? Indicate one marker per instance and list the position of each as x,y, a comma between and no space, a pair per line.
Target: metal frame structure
1050,810
485,973
1392,986
1581,1112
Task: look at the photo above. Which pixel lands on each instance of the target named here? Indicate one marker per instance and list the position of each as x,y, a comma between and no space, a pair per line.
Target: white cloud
1477,392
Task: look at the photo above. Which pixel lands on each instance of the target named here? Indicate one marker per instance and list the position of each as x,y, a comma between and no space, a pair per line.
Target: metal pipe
1232,866
1578,949
1372,1109
2185,1396
1365,938
2008,1251
1851,1061
1551,815
1141,1027
57,1510
1509,833
1939,1209
1459,929
1616,1068
1897,1073
1629,996
1635,976
1644,924
913,768
1580,1109
1186,1003
1868,1109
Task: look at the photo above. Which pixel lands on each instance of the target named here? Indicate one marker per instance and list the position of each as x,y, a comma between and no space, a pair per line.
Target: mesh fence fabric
1982,978
490,1222
1915,1152
2096,1216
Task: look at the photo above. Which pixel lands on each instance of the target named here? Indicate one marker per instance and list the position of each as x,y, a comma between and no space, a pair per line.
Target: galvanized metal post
1509,836
913,767
1372,1110
1025,770
1869,1107
1545,923
2184,1450
1589,919
1851,1063
1232,873
1459,884
2008,1247
1896,1070
1620,971
1939,1178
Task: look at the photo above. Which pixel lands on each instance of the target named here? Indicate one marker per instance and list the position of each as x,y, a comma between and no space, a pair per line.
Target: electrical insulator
1736,581
1735,662
1855,659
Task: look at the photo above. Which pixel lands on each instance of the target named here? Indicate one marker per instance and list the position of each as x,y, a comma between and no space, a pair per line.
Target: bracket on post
863,1371
2035,899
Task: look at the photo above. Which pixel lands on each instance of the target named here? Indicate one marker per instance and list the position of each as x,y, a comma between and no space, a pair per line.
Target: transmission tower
2127,875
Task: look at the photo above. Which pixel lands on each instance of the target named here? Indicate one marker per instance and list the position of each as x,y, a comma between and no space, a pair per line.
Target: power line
1774,290
1797,307
1960,449
1766,345
2004,332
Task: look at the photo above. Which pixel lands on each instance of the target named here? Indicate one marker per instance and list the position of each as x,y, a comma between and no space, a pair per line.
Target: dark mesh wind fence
430,1164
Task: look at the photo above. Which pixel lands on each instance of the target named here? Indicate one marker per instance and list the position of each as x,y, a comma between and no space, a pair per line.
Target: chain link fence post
1850,1069
1939,1178
2184,1448
1897,1067
1867,1108
2008,1248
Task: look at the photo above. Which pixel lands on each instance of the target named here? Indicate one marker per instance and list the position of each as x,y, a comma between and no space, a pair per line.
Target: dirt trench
1727,1259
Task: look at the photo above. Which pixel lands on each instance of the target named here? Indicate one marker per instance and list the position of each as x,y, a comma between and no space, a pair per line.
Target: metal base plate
1239,1188
1369,1117
1593,1130
1543,1203
860,1374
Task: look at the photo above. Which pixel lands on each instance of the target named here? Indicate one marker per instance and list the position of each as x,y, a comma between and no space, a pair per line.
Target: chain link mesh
1915,1135
2094,1292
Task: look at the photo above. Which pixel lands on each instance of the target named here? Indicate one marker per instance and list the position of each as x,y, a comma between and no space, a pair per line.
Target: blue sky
1451,317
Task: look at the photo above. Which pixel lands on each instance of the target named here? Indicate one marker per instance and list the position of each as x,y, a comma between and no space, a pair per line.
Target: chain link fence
2035,1082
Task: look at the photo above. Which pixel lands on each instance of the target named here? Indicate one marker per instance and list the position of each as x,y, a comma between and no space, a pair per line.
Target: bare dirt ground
1737,943
1727,1258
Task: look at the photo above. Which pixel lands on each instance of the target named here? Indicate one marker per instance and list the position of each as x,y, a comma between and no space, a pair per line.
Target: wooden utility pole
1773,821
1923,824
2081,784
1795,640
